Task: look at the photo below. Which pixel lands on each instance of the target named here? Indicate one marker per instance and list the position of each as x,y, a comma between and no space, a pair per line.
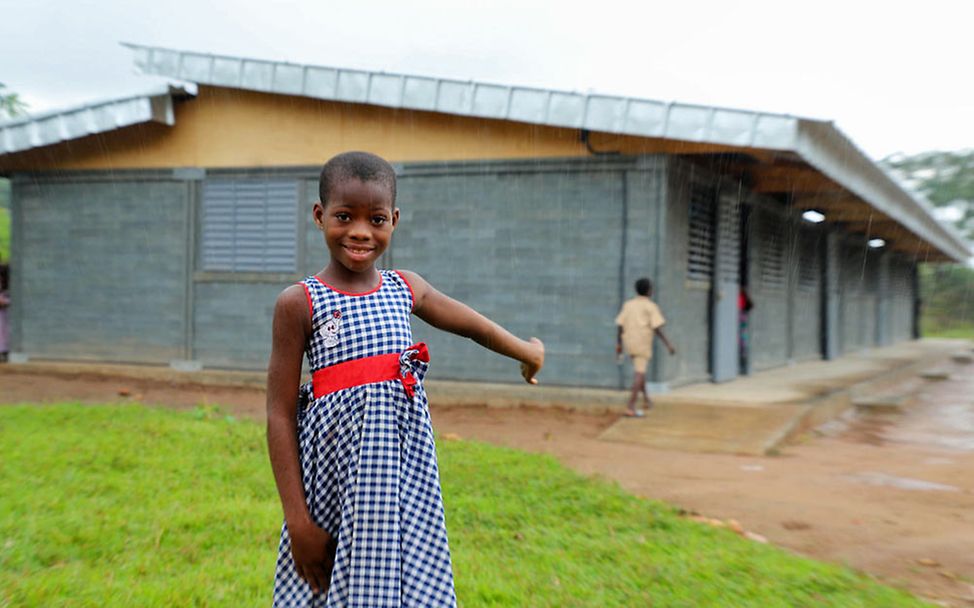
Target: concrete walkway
749,415
757,414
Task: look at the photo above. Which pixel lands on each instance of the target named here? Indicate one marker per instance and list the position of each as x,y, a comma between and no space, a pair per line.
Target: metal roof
53,127
595,112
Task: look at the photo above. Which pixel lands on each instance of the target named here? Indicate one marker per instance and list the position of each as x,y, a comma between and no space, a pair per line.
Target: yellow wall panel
233,128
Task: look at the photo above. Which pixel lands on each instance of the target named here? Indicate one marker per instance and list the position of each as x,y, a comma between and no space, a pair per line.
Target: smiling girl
352,451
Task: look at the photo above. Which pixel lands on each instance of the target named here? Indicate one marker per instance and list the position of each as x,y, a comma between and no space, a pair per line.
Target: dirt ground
887,494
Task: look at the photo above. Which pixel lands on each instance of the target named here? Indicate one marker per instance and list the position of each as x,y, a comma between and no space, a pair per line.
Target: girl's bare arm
291,323
443,312
311,546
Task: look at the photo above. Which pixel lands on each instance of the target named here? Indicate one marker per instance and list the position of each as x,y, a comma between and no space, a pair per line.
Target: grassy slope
127,505
960,331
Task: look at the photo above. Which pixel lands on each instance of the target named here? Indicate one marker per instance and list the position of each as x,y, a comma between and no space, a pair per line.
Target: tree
10,103
946,179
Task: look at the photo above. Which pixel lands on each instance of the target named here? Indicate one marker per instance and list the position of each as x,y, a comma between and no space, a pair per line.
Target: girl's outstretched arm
443,312
311,547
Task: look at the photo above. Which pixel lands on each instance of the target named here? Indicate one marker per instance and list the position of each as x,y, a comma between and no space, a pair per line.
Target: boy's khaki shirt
638,318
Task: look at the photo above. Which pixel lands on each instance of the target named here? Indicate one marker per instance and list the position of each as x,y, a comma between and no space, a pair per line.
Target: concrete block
183,365
884,404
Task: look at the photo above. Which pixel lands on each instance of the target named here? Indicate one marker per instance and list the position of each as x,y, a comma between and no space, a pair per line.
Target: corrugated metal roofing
594,112
96,117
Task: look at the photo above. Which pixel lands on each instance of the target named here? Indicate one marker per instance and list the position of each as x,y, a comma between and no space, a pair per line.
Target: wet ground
891,494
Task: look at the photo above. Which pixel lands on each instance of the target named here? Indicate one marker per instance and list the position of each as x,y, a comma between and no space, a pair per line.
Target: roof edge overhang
38,130
567,109
829,151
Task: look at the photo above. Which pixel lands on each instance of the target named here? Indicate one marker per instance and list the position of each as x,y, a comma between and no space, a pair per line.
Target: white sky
894,76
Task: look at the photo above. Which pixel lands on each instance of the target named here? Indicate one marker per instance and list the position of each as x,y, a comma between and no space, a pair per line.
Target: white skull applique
329,331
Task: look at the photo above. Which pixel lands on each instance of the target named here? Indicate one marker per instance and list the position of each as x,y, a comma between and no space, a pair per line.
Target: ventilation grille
700,257
249,225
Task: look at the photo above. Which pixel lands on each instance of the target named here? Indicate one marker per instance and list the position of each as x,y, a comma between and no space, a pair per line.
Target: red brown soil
890,495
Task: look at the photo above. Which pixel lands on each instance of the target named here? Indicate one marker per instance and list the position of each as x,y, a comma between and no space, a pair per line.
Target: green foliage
948,300
10,104
4,236
944,178
4,220
135,506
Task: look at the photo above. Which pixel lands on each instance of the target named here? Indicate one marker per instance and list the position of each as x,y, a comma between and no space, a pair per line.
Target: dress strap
307,294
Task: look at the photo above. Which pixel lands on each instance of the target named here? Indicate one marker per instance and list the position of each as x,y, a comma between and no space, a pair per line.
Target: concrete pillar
882,300
830,296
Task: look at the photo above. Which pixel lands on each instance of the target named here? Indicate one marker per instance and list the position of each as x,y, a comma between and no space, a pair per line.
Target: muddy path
888,494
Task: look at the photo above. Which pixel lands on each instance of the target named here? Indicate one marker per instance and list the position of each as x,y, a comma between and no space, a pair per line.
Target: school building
160,228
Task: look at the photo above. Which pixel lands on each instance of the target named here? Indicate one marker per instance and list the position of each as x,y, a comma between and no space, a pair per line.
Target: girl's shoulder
401,281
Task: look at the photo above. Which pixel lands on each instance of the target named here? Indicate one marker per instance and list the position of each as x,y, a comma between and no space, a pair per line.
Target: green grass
4,235
956,331
134,506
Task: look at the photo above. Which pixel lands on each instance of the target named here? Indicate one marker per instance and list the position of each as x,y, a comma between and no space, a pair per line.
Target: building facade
165,237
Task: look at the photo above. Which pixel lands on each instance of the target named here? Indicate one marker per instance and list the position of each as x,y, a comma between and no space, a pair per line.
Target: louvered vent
809,263
249,225
700,257
772,246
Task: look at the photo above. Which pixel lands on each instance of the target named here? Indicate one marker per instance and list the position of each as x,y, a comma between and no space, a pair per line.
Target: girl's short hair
363,166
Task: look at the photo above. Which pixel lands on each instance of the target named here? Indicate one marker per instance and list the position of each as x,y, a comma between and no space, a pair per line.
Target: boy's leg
647,401
639,364
638,382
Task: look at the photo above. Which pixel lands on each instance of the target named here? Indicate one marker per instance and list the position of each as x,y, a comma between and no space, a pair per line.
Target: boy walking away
639,319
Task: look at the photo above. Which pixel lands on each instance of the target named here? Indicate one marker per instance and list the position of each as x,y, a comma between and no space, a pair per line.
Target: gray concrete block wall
536,248
883,299
870,299
851,265
806,301
232,323
102,268
859,283
901,298
770,317
685,303
315,253
832,312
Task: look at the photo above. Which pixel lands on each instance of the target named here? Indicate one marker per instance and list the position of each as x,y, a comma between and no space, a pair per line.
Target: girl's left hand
533,363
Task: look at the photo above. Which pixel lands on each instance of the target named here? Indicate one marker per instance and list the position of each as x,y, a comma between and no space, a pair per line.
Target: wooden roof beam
812,184
857,214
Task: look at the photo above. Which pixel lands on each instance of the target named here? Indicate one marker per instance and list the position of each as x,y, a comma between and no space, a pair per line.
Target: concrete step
755,430
883,404
935,375
963,358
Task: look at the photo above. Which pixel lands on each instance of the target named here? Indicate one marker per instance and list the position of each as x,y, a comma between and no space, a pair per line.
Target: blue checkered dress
369,465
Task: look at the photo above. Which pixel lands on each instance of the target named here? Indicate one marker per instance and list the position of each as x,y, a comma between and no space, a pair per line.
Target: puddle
938,461
948,425
873,478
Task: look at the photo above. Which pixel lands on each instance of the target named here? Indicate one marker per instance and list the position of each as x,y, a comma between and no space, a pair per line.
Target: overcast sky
894,76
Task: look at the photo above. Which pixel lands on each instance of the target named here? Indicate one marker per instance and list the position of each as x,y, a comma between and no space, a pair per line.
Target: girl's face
357,220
